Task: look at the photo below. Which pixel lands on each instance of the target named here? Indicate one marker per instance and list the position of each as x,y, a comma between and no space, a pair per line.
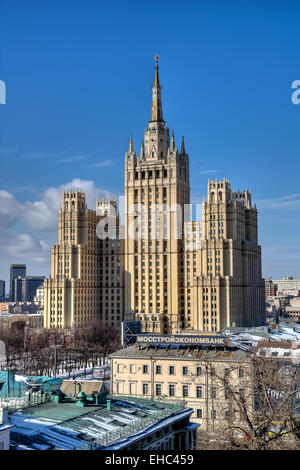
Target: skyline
72,128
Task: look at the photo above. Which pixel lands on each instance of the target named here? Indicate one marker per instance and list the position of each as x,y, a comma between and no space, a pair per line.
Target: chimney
74,389
108,405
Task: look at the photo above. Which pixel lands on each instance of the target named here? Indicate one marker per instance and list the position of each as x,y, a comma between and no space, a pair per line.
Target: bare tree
262,413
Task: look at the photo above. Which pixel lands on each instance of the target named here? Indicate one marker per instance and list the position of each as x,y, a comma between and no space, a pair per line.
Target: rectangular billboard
180,340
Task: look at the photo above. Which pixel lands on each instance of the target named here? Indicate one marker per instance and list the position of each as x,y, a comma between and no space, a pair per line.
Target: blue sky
79,76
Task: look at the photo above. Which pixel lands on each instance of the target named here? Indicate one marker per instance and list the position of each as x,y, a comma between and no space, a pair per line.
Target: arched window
220,196
212,197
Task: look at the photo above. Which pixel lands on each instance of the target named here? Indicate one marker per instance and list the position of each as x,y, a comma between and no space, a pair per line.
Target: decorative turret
173,142
182,146
142,156
131,150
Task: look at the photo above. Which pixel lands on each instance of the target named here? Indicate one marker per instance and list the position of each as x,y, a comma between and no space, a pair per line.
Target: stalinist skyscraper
201,275
156,190
170,273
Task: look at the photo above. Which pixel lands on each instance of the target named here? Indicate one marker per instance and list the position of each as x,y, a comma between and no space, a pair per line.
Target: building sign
292,293
181,340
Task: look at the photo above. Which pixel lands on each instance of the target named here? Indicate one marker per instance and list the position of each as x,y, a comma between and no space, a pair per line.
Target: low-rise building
34,320
100,422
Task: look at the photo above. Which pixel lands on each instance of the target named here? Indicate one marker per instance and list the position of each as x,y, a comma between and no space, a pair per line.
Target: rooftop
177,352
114,423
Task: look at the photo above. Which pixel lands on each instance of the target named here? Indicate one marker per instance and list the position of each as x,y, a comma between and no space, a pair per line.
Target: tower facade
86,283
72,293
156,191
226,287
111,263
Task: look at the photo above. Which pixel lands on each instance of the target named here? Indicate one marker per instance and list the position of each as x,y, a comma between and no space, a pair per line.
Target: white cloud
24,246
206,172
7,151
103,164
290,201
36,156
42,214
74,159
9,209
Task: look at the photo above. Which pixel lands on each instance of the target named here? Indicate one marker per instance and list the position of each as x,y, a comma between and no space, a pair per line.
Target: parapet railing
16,403
141,423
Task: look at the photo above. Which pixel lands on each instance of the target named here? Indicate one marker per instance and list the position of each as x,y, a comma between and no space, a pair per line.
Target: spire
182,146
156,113
131,145
142,151
172,142
156,79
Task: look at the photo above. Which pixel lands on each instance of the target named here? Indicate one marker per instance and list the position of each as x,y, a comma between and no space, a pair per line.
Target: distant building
293,310
288,293
17,289
16,270
21,320
270,288
25,288
30,286
2,290
39,297
4,307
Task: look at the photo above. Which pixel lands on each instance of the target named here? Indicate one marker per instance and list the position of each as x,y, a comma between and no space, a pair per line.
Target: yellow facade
86,283
196,376
156,192
226,287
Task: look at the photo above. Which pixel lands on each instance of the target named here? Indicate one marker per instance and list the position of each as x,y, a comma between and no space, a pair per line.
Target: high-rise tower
156,191
72,292
226,286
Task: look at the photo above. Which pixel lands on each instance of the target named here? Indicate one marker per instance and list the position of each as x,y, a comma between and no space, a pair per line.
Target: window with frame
145,389
145,369
184,370
171,370
199,413
158,389
185,390
171,390
199,391
158,370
